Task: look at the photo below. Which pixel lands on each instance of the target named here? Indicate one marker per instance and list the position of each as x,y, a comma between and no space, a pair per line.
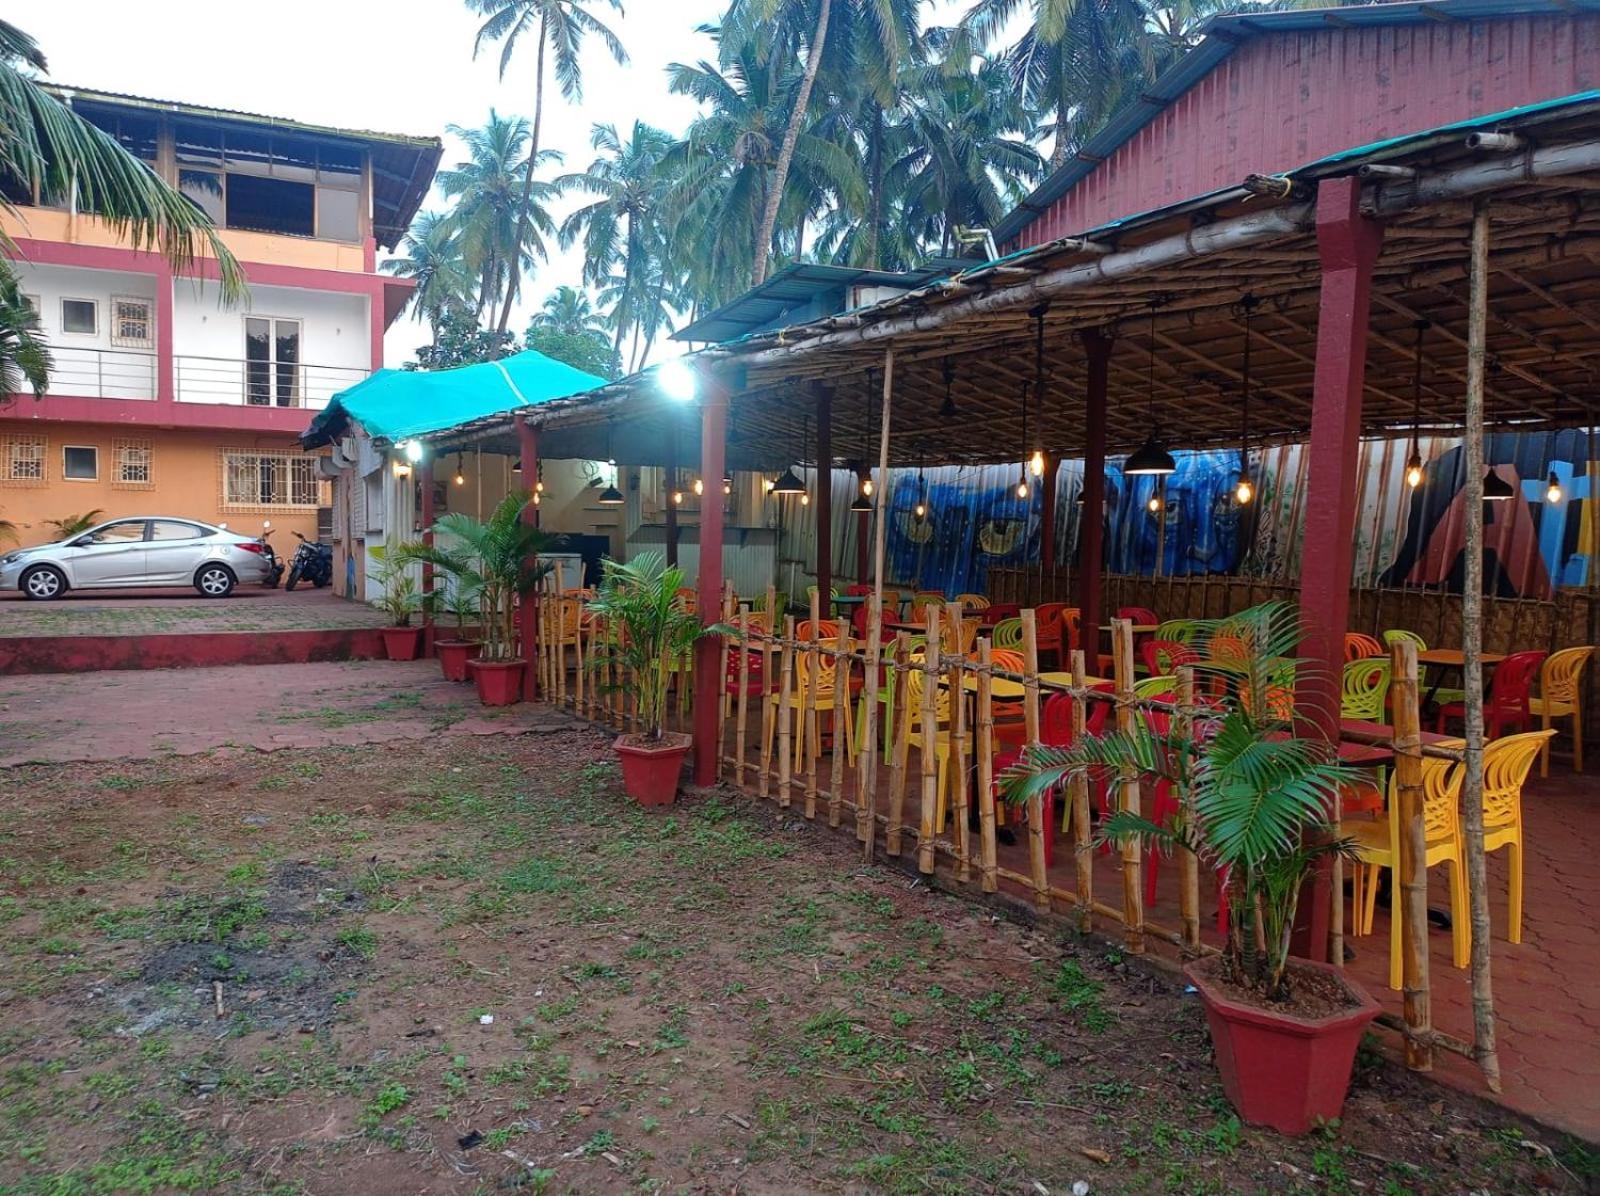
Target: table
1447,660
1138,628
1360,752
1008,690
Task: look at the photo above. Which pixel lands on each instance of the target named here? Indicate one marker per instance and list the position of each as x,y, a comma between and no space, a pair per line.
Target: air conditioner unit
344,452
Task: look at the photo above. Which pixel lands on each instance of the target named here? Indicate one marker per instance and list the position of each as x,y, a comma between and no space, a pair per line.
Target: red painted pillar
1348,244
707,652
375,323
823,503
1091,531
671,488
1047,515
166,362
528,613
864,531
425,482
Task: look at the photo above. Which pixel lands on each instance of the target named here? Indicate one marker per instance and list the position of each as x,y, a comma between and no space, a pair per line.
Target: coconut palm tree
433,259
25,360
497,231
569,311
558,28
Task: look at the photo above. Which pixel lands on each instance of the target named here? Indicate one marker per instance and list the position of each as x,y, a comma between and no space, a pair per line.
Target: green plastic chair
1396,635
1007,634
1365,689
885,696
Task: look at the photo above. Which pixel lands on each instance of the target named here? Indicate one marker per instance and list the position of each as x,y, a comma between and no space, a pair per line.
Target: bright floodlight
413,450
676,380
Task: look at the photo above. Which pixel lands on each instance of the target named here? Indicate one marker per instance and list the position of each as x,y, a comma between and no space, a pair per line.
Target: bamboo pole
1188,865
986,847
743,699
930,742
867,794
1472,652
1128,797
1082,844
1411,868
958,747
1030,717
900,742
841,681
730,605
577,661
768,712
785,712
867,784
810,730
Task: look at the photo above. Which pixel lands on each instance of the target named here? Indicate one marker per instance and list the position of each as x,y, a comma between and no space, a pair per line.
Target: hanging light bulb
805,499
538,499
727,484
1244,493
461,478
1151,458
1036,463
866,486
1022,486
699,487
538,487
677,498
1153,504
1414,461
1036,458
1553,491
920,510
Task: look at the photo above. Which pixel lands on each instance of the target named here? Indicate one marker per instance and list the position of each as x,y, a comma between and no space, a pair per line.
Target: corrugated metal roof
790,288
1220,37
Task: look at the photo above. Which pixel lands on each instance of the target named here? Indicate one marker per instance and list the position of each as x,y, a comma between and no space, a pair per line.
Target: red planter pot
1284,1072
650,771
499,681
454,656
401,643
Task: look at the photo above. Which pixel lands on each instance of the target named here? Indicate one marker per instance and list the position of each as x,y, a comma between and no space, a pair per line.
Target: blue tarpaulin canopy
393,405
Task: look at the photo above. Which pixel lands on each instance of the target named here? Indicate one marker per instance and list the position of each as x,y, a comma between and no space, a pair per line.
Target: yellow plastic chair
1007,633
1560,696
957,641
1154,687
942,737
1378,844
818,669
1507,761
972,601
1366,689
924,598
884,696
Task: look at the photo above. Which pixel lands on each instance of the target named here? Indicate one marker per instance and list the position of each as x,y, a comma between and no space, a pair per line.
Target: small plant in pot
494,560
401,599
1285,1032
460,599
646,631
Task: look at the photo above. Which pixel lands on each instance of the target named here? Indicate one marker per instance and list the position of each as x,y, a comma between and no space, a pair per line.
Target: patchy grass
473,967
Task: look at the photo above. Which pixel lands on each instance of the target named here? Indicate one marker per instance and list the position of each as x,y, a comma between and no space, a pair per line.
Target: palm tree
25,360
75,525
568,310
434,260
560,28
497,230
621,235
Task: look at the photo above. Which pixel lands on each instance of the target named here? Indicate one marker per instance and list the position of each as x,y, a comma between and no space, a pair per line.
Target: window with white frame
133,464
22,460
133,322
80,463
80,316
279,480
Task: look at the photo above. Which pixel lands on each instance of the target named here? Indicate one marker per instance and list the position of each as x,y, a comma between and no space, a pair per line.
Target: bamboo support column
1082,841
930,743
767,642
1188,865
1472,652
958,745
868,814
577,660
986,847
741,711
1411,868
785,713
841,694
1128,796
810,728
730,606
899,741
1030,716
867,782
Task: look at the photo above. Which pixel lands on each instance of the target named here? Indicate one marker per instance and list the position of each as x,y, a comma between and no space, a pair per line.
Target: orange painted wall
186,479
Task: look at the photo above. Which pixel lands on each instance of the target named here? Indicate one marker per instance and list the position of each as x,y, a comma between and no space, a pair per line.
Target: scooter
274,565
313,562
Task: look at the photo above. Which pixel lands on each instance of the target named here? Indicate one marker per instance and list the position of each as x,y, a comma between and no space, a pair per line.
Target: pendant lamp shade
610,497
1496,488
1151,458
788,483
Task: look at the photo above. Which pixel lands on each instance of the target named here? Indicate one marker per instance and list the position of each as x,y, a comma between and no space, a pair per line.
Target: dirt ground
468,965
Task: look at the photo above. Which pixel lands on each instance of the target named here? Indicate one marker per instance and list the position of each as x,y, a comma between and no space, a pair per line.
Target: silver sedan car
146,550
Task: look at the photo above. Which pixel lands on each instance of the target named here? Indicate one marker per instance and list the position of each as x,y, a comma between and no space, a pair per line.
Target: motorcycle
274,563
313,562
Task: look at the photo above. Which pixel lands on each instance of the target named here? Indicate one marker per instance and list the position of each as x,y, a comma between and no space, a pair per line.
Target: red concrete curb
26,655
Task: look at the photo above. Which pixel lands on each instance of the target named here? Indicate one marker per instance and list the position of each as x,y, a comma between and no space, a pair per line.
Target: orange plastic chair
688,600
1359,647
1560,696
1048,630
827,629
972,601
1378,844
818,671
1071,619
1506,764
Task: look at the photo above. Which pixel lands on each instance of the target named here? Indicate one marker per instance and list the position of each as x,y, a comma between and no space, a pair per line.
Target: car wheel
294,580
43,583
214,581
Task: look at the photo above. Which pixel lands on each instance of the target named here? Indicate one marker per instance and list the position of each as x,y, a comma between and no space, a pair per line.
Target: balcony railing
259,383
103,373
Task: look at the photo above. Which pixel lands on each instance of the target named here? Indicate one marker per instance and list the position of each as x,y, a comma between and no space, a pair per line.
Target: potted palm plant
495,560
646,631
461,601
400,600
1285,1031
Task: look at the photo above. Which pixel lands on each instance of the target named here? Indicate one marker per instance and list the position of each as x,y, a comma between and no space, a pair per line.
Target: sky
398,66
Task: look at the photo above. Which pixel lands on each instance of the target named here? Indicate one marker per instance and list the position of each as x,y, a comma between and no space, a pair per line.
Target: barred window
132,323
251,479
134,461
22,460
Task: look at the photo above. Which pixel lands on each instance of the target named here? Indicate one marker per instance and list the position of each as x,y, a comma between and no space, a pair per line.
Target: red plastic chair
1507,702
859,590
996,611
1047,621
1139,615
755,675
1055,729
1161,657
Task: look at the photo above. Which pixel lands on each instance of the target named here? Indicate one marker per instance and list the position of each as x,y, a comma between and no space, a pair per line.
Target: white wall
209,345
88,365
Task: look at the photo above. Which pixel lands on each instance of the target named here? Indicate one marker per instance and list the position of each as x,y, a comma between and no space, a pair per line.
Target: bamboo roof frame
1174,280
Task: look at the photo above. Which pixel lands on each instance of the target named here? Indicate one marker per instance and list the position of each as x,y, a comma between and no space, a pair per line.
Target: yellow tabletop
1001,687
